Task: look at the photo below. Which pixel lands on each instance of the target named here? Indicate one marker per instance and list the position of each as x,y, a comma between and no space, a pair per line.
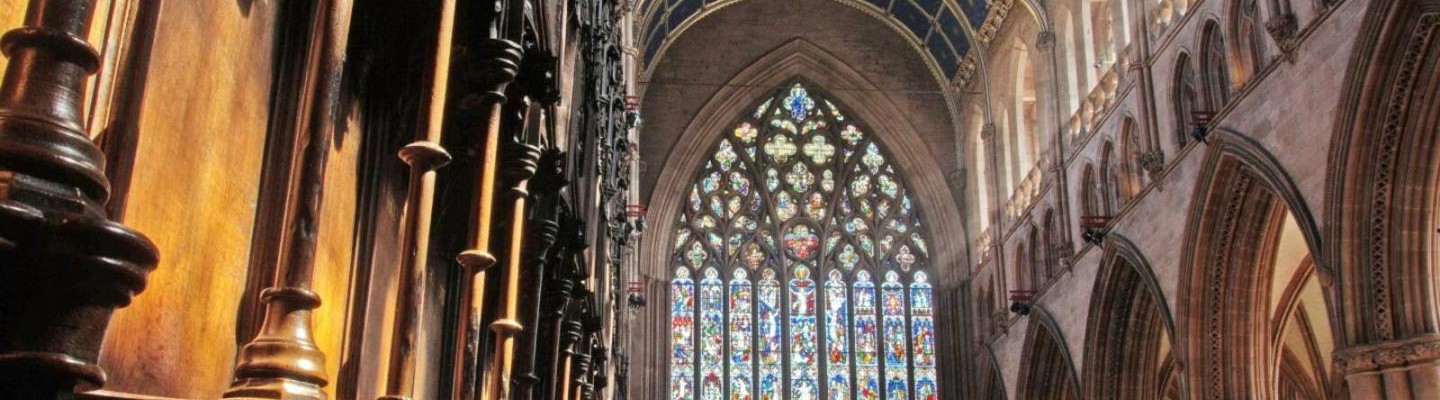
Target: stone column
1407,369
64,267
1045,46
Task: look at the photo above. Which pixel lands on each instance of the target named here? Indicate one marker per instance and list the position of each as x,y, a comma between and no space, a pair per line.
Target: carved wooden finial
64,267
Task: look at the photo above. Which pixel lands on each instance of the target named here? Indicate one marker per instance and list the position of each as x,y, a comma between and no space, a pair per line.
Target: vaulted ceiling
942,30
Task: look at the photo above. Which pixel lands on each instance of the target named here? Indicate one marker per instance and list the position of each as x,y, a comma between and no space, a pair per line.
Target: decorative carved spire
282,361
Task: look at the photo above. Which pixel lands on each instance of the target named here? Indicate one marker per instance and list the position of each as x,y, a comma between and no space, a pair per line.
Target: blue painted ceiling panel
656,39
931,22
975,10
929,6
682,10
944,55
912,18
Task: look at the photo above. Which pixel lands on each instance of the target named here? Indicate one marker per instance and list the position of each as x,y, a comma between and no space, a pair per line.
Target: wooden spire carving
497,62
64,267
282,361
424,156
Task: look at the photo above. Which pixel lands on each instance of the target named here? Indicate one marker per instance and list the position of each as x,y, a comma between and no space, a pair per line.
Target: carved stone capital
1045,41
1392,354
1282,28
1153,162
987,132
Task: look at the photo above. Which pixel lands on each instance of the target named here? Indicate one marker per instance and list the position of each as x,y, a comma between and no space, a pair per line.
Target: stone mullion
52,192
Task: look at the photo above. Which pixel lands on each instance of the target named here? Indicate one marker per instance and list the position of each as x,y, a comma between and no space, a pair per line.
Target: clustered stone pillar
1398,369
64,267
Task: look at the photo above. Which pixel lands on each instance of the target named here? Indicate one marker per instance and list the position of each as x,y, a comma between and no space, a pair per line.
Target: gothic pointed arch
1131,332
1245,217
1382,191
1048,372
828,263
991,382
1185,97
795,61
1215,67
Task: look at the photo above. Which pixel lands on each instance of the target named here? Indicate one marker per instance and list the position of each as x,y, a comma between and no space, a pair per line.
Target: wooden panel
194,192
335,247
12,14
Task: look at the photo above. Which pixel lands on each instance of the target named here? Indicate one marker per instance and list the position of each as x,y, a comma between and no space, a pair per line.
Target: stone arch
1054,241
1185,97
800,59
1090,202
1037,258
1132,149
1215,69
916,44
1131,331
1233,230
991,384
1111,185
1047,370
1382,191
1250,40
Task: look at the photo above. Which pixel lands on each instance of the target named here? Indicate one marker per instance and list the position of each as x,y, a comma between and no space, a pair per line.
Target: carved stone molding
1045,41
1153,162
1283,28
1386,355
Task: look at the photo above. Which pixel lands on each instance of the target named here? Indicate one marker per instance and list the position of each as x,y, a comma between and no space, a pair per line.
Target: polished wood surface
248,152
201,153
64,266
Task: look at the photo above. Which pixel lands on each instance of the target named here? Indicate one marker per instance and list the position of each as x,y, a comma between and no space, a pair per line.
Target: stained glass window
827,295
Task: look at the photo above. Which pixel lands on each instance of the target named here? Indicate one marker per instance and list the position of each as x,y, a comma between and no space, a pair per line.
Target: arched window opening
1036,269
1132,149
1026,115
1110,184
1216,67
1102,35
1186,99
1052,245
1090,191
1251,33
1020,269
1067,36
828,294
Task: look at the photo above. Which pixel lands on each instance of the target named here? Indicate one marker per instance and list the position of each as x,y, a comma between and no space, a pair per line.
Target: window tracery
801,204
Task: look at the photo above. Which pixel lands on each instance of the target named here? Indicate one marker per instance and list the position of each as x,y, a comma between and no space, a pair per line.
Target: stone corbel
1045,41
1153,162
1283,28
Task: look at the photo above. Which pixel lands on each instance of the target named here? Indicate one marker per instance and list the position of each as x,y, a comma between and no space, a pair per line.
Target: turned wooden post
64,267
545,229
282,361
424,156
556,299
517,169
